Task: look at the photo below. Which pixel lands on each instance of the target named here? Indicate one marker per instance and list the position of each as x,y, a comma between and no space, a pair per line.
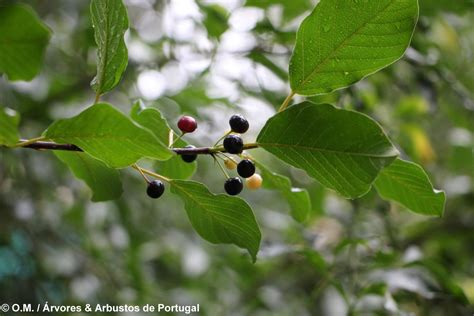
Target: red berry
187,124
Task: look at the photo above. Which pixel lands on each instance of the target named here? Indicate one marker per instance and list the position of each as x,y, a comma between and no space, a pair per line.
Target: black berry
189,157
238,124
233,186
233,144
155,189
187,124
246,168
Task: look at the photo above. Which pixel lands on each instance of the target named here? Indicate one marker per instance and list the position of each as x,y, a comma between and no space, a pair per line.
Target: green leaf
342,41
152,119
110,21
215,19
9,121
103,181
106,134
23,40
444,278
219,218
298,199
407,183
176,168
344,150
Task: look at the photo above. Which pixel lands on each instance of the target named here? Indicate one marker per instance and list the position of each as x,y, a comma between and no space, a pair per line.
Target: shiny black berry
155,189
189,157
238,124
233,144
187,124
233,186
246,168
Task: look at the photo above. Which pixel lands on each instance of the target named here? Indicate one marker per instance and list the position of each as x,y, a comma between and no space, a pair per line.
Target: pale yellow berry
254,182
230,164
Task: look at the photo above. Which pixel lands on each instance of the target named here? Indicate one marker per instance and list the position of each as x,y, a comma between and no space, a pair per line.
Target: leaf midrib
328,57
326,150
104,63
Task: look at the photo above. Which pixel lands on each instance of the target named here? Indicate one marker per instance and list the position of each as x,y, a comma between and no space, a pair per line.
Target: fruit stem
26,142
286,102
227,156
179,137
222,137
135,166
150,173
220,166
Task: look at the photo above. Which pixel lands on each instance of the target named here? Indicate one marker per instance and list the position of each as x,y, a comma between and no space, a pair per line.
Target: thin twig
43,145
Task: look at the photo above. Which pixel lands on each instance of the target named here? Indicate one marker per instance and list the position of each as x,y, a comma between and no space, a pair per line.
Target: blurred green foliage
362,257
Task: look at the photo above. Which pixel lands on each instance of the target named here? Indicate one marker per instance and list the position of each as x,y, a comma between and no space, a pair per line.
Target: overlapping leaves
108,135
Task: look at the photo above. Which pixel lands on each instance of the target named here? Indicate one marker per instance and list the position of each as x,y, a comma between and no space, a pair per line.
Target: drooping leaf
107,134
342,41
23,40
103,181
110,21
260,58
9,121
298,199
344,150
219,218
444,277
152,119
407,183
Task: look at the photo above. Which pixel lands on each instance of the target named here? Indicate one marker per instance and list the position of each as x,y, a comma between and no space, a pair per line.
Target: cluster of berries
233,144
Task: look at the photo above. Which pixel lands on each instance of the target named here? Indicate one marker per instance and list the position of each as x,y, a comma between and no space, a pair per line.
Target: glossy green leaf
110,21
219,218
23,40
342,41
152,119
9,121
407,183
103,181
297,198
344,150
107,134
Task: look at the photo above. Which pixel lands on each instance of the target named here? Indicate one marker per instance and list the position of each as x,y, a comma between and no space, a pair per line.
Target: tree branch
42,145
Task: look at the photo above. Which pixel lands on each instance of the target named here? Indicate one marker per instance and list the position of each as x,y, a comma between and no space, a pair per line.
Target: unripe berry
246,168
230,164
189,157
187,124
155,189
233,186
254,182
233,144
238,124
